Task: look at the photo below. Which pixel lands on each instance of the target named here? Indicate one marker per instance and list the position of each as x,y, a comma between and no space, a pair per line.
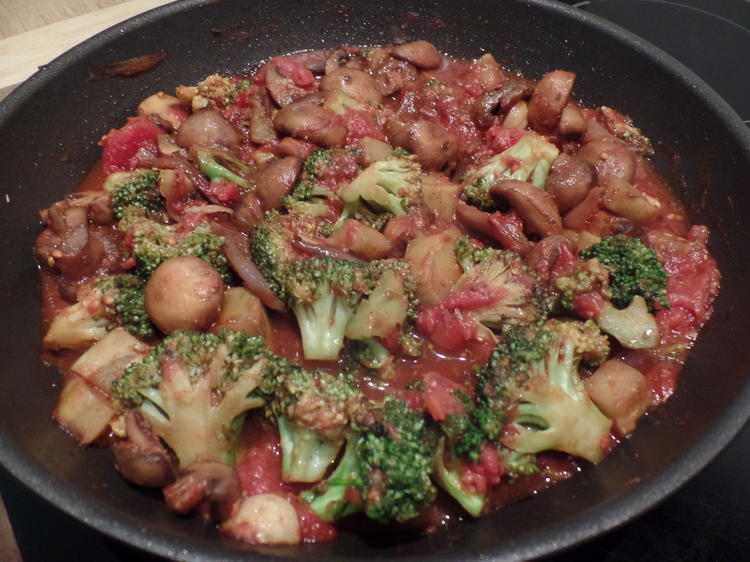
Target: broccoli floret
532,376
588,277
102,305
517,464
529,159
447,474
385,186
467,432
313,410
191,388
390,306
385,470
139,188
215,165
315,164
371,354
271,248
322,293
308,198
123,298
496,288
154,243
634,270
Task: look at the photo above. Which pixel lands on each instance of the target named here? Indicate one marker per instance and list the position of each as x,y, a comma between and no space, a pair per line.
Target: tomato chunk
120,145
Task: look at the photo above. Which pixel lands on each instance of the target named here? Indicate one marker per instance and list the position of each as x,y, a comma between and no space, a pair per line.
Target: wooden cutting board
34,33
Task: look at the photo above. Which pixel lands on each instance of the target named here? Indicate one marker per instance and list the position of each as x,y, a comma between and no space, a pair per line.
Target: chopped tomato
311,526
294,71
471,298
259,468
588,305
448,329
440,398
120,145
360,124
224,191
477,477
500,139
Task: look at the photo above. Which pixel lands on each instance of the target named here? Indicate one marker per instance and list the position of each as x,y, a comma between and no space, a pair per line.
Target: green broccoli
322,293
389,186
385,470
102,305
371,354
215,165
139,188
467,432
271,248
192,387
154,243
500,285
313,410
390,305
529,159
124,302
532,377
308,198
447,474
634,270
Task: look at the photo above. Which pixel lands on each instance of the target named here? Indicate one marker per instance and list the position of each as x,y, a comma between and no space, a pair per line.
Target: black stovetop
706,520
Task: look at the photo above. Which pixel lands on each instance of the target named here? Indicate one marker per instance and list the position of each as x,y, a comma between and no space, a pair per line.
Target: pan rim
607,516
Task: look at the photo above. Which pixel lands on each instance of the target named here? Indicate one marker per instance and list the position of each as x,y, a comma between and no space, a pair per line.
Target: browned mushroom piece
248,212
166,109
548,253
354,83
434,147
209,488
261,129
572,121
550,96
391,74
569,181
346,56
207,128
276,180
421,54
314,61
311,123
141,458
611,159
536,208
512,90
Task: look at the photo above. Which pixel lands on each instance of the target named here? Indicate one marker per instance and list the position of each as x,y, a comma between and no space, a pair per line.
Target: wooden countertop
34,33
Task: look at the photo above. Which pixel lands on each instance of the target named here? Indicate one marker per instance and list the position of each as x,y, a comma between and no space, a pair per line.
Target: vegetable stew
375,283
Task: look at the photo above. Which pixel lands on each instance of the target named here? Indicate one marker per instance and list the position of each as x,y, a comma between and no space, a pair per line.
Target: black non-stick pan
48,132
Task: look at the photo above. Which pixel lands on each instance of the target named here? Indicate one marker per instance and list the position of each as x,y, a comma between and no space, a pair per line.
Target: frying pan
49,127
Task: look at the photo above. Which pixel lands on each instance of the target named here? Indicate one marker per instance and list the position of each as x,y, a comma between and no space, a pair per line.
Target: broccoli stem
322,325
450,480
305,455
329,500
216,171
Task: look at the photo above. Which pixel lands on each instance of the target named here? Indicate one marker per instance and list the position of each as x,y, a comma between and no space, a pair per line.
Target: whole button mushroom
183,293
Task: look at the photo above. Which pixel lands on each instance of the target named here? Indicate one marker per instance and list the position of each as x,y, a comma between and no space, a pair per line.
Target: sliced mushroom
356,84
276,180
434,147
392,74
141,458
511,91
207,128
569,181
421,54
536,208
611,159
167,109
210,488
550,96
311,123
